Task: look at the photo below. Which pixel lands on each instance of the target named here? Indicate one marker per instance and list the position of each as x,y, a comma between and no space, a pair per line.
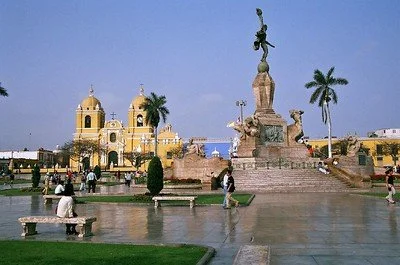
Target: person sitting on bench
60,188
65,209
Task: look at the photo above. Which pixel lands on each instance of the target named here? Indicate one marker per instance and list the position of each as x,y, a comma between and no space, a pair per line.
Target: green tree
391,149
3,91
137,159
324,93
155,176
97,171
35,176
79,149
155,110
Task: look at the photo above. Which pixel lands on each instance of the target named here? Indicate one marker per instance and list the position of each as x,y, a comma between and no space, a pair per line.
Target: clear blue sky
199,55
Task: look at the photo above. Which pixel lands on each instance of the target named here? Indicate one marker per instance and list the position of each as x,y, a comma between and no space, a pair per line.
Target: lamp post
241,103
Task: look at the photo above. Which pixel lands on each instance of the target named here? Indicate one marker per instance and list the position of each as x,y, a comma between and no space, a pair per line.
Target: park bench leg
156,204
48,201
85,230
191,203
28,229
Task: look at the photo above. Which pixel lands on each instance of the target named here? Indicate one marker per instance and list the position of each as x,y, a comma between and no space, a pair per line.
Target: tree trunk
155,141
328,116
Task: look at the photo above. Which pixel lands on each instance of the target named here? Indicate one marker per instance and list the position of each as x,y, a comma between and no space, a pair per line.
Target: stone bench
83,223
156,199
252,254
48,199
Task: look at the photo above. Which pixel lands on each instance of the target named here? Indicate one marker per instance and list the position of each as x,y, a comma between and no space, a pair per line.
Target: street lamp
241,103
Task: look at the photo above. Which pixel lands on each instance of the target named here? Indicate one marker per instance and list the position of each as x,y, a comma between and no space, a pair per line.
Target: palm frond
330,72
315,95
3,92
340,81
334,96
311,84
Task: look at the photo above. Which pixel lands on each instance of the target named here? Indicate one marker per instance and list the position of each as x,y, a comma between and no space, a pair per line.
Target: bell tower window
113,137
139,122
88,121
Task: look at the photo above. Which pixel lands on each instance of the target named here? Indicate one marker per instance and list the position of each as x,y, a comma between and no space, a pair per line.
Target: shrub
97,171
215,184
185,181
35,176
155,176
378,177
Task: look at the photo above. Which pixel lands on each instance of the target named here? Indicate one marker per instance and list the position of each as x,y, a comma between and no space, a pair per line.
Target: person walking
390,185
230,189
45,190
128,178
83,182
91,179
224,185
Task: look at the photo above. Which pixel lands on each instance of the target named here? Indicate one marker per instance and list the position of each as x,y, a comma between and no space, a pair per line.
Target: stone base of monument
355,170
196,167
283,175
298,153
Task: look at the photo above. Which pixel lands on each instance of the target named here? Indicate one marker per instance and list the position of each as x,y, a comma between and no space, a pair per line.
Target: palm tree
3,91
324,93
155,107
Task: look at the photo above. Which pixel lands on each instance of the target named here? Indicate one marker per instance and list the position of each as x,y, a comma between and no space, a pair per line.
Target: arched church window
113,137
88,121
139,122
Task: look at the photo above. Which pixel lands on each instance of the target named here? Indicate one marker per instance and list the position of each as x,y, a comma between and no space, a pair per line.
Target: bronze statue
261,37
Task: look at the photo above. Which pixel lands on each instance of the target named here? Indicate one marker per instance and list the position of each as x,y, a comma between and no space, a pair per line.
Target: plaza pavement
300,228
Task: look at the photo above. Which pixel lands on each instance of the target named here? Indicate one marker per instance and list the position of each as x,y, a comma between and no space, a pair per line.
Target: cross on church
112,115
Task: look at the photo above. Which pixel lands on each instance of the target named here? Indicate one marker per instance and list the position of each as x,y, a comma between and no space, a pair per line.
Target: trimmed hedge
155,176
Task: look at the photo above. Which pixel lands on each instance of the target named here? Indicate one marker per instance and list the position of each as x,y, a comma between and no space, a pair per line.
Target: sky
199,55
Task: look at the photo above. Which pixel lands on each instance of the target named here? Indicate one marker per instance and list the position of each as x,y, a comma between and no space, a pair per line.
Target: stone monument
266,134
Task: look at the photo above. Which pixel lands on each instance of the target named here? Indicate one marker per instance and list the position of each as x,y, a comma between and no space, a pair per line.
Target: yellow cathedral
115,139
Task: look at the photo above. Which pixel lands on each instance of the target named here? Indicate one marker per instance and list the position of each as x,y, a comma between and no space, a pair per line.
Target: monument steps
287,180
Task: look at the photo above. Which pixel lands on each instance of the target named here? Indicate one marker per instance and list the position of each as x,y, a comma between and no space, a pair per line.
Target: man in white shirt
91,179
60,188
128,178
65,208
225,186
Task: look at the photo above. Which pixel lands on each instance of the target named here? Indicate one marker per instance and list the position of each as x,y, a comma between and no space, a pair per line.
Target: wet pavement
300,228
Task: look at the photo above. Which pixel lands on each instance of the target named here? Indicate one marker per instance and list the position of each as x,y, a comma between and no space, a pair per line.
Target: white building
388,133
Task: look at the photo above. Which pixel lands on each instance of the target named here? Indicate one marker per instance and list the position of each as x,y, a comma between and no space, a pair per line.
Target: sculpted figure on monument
295,130
197,149
250,127
261,37
353,145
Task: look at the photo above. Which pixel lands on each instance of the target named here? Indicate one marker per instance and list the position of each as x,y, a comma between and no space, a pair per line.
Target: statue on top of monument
249,128
261,37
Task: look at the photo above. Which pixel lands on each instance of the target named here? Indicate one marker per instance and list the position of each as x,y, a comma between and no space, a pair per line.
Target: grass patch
21,192
380,195
16,181
141,198
31,252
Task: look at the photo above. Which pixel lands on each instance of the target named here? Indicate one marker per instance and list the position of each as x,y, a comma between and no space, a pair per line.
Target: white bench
253,254
156,199
83,223
48,199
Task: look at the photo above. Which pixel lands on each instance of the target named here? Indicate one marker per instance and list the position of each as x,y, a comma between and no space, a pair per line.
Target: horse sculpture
295,130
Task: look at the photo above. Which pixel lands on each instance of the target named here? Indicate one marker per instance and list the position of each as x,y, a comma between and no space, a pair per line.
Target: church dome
139,100
91,102
215,153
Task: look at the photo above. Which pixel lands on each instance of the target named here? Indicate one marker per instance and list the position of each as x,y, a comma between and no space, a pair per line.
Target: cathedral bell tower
90,117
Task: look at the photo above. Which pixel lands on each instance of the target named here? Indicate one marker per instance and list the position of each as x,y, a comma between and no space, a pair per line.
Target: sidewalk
306,228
